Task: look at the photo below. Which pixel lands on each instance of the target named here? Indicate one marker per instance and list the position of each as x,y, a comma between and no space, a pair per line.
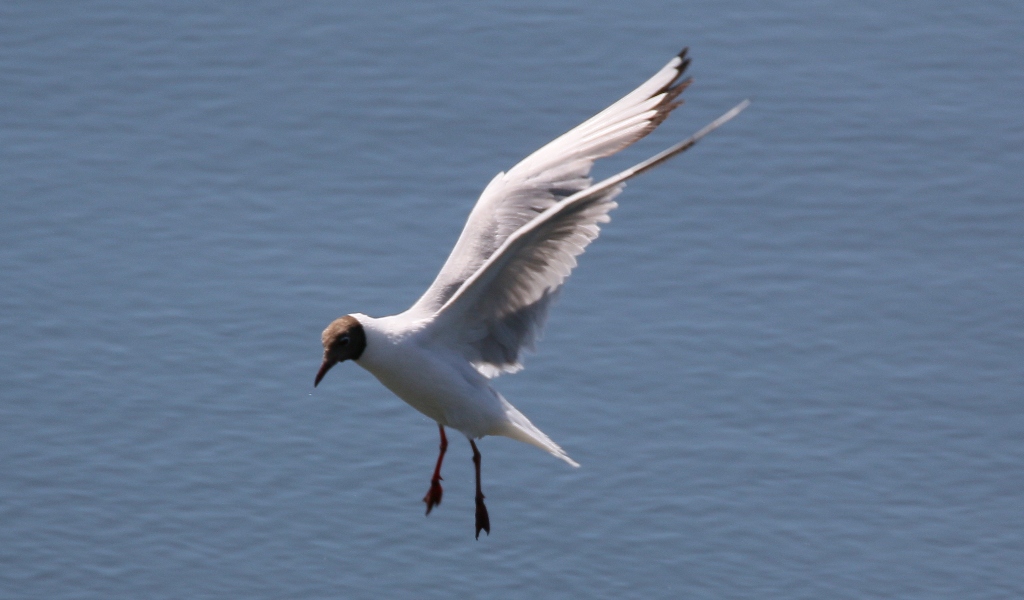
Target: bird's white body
491,298
409,357
403,354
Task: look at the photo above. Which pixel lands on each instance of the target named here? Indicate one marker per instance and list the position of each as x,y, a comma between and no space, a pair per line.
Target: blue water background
791,367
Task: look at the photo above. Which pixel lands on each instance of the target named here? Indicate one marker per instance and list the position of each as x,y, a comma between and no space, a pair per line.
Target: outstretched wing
553,173
501,308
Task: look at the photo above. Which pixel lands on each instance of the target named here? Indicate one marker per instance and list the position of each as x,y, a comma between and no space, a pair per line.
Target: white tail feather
519,428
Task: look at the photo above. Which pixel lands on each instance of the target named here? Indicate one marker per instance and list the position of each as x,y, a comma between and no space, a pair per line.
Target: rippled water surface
792,366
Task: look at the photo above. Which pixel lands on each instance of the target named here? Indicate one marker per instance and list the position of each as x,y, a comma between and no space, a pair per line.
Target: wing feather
556,171
500,310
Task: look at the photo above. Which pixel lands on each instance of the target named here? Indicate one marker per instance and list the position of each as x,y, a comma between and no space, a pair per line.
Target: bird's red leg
433,497
483,522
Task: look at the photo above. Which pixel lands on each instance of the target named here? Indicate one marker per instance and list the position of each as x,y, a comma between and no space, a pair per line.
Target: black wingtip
676,86
684,66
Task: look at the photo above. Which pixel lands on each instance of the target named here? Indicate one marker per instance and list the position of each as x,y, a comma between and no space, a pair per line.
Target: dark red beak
324,368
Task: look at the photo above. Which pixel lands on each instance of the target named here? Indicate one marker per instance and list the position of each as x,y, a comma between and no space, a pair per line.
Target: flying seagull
491,299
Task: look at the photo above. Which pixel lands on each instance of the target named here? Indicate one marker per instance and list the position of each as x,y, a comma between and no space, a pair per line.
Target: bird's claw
483,522
433,497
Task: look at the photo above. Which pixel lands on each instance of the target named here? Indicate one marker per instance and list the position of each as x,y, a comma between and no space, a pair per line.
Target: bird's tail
518,427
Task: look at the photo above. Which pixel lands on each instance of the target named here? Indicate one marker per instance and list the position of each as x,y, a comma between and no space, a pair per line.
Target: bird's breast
438,383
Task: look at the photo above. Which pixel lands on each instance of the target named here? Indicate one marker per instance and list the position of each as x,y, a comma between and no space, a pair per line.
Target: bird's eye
343,340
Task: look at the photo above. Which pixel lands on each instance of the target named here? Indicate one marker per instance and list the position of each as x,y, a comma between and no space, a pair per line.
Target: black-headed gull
492,296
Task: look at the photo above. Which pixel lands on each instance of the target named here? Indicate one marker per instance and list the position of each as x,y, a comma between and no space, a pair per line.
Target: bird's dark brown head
343,339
